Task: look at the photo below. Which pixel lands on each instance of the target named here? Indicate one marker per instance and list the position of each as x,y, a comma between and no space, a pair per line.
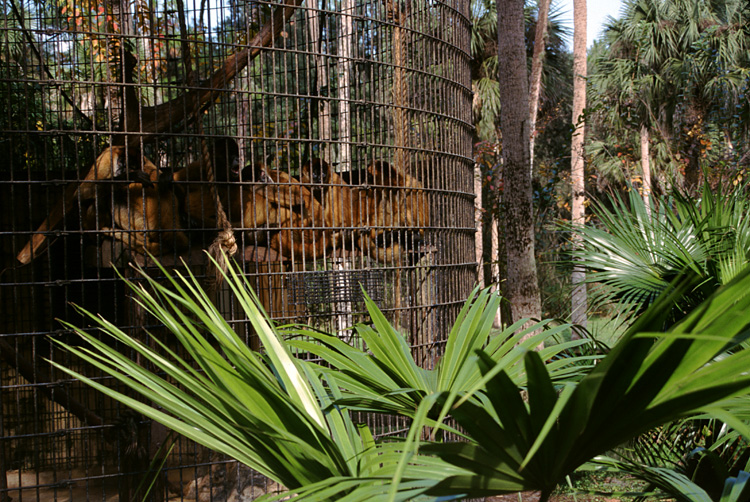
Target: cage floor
47,487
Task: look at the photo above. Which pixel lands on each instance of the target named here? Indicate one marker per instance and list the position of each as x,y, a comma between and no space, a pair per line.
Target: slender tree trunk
578,216
344,71
401,101
537,62
323,117
115,100
344,64
478,230
646,168
521,288
243,116
497,322
400,90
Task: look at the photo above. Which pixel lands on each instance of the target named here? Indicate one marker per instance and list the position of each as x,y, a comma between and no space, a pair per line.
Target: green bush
290,418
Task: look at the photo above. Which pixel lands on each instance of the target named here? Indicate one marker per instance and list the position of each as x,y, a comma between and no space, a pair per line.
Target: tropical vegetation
290,417
637,251
665,248
677,72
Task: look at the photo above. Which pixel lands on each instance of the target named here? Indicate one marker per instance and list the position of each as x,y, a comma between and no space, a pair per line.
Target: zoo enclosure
327,143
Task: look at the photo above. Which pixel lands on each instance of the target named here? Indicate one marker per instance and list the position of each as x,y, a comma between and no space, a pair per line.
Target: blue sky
597,12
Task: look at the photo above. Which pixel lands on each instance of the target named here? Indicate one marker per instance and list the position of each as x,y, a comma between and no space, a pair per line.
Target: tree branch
176,114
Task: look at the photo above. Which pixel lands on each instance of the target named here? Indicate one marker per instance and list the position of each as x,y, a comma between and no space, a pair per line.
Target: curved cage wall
326,143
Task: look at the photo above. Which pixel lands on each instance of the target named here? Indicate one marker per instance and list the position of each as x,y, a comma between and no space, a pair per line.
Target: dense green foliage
290,418
681,69
636,253
677,68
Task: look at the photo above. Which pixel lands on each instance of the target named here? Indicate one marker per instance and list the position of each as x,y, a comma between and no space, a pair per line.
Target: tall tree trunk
323,106
478,230
400,90
344,71
497,322
401,101
537,62
578,215
345,320
521,287
115,101
646,168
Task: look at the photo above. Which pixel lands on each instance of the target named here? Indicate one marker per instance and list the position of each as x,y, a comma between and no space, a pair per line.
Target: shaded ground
48,487
562,497
592,482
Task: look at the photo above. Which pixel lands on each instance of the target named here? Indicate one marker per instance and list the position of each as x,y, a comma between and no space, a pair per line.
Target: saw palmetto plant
276,413
636,253
386,379
289,418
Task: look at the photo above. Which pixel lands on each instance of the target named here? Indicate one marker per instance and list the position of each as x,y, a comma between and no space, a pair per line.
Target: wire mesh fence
327,144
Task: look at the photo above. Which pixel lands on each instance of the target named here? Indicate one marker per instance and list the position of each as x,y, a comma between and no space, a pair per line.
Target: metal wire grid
351,82
321,291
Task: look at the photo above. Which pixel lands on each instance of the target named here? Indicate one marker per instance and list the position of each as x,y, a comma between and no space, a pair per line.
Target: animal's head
225,159
119,163
254,172
111,163
316,171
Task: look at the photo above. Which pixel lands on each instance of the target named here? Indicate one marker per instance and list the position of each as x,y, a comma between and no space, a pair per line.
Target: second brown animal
380,210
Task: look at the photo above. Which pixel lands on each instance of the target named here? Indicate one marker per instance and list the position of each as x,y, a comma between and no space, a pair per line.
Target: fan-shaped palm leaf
637,254
647,379
388,379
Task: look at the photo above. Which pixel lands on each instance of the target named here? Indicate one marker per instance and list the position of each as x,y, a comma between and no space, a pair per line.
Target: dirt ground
563,497
46,487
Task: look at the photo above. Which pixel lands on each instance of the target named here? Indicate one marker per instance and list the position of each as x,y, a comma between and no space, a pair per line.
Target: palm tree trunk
521,287
497,322
646,168
578,215
478,230
537,62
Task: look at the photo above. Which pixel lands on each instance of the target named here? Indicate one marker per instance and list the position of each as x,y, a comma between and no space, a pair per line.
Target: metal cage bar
335,136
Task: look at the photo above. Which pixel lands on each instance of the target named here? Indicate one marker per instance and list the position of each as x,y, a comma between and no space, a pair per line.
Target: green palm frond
284,417
678,486
646,380
388,379
289,418
637,254
262,411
